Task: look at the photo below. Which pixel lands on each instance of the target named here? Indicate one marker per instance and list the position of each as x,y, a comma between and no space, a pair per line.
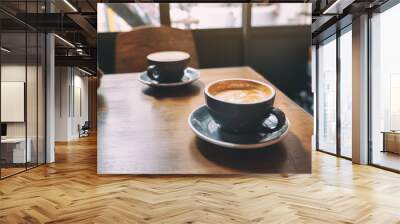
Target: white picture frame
12,101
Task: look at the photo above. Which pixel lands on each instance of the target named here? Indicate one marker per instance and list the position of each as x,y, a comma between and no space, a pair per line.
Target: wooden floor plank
70,191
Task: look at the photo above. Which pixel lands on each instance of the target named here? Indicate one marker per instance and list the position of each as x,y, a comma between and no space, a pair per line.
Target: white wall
81,82
15,72
33,126
71,102
62,80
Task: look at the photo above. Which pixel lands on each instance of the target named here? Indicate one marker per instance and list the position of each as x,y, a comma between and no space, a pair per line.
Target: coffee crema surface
240,91
168,56
241,95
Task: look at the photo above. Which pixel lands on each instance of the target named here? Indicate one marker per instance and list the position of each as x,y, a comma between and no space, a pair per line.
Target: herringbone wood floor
70,191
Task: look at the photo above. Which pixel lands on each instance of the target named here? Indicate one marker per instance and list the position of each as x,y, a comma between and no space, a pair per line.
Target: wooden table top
145,131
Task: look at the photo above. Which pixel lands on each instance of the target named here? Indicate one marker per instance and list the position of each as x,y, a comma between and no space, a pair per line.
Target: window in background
394,101
205,15
385,88
327,96
280,14
122,17
346,94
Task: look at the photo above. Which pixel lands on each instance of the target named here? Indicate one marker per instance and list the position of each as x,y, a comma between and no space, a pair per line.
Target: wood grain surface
133,47
145,131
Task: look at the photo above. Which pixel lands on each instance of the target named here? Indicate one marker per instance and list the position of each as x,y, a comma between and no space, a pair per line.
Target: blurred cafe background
274,39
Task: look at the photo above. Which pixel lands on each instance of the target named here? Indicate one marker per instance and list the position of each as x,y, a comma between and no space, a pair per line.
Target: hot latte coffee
168,56
242,95
240,92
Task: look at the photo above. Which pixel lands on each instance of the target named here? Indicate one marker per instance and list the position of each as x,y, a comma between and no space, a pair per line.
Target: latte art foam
242,95
168,56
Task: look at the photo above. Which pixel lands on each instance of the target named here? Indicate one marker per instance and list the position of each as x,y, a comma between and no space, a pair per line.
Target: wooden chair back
133,47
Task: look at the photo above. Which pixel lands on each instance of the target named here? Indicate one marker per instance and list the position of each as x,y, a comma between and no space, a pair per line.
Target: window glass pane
31,88
14,154
280,14
346,94
205,15
22,50
327,97
122,17
385,88
31,97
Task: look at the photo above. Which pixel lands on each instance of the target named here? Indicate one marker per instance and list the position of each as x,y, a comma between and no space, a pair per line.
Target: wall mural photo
186,95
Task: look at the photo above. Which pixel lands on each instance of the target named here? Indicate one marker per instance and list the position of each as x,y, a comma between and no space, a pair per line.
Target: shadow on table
180,91
271,159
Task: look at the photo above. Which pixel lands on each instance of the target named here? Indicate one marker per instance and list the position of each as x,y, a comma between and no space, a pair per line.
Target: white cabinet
17,146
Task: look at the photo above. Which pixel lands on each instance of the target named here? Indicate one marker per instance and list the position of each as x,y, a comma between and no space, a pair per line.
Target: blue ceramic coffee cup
167,66
242,105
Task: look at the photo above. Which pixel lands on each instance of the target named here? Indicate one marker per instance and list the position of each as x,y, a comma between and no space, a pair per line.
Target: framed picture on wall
12,101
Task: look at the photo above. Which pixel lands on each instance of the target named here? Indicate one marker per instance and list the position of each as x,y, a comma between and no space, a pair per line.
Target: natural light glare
346,94
205,15
122,17
327,97
280,14
385,79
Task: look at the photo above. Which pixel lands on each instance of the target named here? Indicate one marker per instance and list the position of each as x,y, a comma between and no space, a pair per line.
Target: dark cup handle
152,72
280,116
